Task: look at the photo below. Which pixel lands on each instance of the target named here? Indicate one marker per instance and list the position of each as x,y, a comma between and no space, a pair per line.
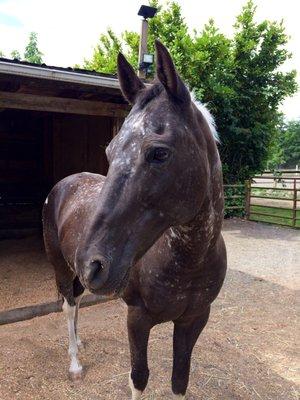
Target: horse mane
207,116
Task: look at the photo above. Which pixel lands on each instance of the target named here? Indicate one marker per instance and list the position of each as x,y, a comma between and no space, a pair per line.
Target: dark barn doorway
54,122
37,150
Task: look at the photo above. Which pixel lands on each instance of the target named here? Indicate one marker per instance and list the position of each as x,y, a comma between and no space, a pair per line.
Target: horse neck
196,237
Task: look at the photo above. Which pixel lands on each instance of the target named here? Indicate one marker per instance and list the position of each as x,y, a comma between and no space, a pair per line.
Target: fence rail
267,202
272,197
237,194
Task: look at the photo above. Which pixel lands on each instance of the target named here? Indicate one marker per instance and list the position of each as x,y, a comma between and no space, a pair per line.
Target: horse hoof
76,376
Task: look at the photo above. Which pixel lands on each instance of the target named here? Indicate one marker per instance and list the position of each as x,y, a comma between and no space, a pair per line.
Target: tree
287,146
15,55
290,143
105,54
258,51
32,53
238,78
2,54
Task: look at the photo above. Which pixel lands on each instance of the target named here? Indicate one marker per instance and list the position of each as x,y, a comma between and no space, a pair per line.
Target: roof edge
32,71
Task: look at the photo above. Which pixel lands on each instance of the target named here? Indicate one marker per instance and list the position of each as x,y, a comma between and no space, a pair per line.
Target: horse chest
168,296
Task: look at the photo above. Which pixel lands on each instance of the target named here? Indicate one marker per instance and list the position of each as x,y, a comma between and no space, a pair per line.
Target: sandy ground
247,351
265,251
26,277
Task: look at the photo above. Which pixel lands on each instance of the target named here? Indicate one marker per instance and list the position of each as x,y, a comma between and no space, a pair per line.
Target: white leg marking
77,302
178,397
75,367
136,394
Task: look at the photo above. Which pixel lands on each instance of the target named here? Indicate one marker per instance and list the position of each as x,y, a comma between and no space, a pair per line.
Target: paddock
247,350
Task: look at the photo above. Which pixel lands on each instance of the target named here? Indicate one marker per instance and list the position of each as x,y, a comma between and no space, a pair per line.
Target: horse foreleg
78,291
184,339
77,305
75,369
139,325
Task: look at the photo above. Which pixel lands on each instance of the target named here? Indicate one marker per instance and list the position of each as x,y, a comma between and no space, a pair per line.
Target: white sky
69,29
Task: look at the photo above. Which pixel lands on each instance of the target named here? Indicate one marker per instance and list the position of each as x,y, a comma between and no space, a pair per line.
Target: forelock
149,94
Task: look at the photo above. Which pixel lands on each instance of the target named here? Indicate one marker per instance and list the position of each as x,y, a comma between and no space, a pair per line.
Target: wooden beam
38,310
24,101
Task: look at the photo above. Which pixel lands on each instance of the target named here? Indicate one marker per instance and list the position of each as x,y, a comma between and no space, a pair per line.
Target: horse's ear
168,76
130,83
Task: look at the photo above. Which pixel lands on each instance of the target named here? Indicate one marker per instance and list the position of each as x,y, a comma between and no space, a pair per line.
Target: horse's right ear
129,81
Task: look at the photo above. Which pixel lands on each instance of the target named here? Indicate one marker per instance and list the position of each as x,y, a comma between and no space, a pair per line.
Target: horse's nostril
95,270
96,274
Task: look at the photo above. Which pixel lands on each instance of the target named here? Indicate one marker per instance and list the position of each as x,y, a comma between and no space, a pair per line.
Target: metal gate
274,197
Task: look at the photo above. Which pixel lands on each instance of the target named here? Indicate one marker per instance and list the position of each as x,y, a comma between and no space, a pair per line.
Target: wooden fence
274,197
235,199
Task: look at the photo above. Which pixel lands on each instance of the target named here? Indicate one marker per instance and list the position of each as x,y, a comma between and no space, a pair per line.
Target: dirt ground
26,277
247,351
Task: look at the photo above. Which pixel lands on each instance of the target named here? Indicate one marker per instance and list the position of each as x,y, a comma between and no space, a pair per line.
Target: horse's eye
157,155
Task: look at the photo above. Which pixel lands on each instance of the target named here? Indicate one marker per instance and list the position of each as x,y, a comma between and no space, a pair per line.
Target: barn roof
42,87
79,75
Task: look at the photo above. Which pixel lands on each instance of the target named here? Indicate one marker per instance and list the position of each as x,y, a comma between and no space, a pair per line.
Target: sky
68,30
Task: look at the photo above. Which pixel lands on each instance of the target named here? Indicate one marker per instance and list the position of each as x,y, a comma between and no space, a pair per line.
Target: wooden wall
37,150
79,144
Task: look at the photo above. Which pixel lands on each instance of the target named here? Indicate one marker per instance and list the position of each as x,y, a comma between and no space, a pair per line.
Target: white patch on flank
46,201
208,117
75,367
136,394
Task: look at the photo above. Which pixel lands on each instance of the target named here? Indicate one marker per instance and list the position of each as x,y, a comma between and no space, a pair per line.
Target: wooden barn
53,122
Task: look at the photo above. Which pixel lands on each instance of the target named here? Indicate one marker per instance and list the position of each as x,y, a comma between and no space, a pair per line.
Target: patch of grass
276,215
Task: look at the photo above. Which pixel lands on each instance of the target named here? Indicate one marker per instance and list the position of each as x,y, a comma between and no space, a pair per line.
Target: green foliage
32,53
235,196
2,54
105,53
286,146
238,78
289,144
258,51
15,55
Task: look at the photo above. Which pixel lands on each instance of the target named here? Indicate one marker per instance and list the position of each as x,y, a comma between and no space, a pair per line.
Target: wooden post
294,203
247,197
143,46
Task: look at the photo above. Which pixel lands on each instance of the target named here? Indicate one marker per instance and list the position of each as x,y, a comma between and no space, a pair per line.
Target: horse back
67,209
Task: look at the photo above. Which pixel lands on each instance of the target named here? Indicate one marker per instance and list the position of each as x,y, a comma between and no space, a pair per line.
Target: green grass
277,215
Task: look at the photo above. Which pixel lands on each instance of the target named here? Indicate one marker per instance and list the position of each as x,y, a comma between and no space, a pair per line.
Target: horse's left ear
130,83
168,76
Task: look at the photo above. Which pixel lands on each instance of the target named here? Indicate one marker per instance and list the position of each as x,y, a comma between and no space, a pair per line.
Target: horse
150,231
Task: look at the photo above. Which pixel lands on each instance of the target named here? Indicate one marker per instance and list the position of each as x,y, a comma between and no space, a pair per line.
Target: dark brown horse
150,231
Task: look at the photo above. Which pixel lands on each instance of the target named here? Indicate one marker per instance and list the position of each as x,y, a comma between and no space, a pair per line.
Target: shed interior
54,122
37,150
